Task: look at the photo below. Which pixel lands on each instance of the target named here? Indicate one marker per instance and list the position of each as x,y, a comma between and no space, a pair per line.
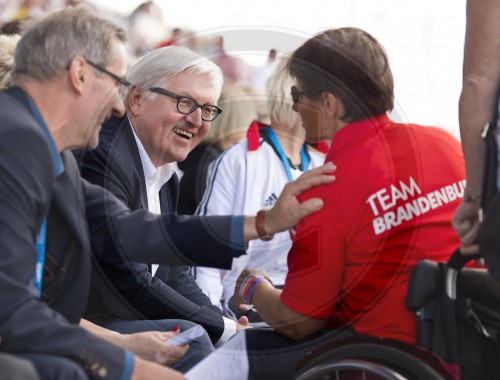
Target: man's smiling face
166,134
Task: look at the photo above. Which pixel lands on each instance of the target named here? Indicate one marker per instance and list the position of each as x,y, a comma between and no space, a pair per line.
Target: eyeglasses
296,94
123,82
187,105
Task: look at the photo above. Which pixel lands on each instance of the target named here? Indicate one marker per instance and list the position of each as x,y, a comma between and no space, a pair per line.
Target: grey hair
50,43
279,100
159,66
7,50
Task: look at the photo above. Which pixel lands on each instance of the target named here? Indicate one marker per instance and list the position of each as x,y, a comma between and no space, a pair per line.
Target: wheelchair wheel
349,369
373,361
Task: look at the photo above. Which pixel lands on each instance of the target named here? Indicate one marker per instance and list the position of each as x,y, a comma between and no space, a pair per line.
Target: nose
195,118
119,107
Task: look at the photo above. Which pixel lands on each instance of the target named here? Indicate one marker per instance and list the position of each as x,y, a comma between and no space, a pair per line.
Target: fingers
465,216
308,207
242,306
328,167
176,353
462,227
469,236
162,355
168,334
243,321
310,179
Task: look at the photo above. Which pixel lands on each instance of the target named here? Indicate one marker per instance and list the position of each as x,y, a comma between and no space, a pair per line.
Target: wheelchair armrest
478,285
425,284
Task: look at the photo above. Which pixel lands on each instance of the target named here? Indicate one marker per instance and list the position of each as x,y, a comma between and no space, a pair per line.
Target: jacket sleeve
163,239
148,238
26,324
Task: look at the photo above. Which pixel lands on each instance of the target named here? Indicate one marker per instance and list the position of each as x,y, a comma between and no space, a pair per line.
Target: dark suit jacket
128,290
27,188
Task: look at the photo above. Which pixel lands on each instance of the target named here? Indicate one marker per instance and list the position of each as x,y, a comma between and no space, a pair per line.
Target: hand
147,370
287,211
238,302
466,223
151,345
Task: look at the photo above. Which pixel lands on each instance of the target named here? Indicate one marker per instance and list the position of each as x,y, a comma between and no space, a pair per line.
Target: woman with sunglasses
397,186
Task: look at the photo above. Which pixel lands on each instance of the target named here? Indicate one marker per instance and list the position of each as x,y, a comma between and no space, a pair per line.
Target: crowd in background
148,30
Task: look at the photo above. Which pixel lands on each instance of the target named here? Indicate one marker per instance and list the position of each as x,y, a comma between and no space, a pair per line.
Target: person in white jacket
248,177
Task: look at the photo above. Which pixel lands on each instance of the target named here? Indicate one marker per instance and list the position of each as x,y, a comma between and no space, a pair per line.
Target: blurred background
424,39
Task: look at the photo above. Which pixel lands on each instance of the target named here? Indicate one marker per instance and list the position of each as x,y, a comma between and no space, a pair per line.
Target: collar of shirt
56,157
357,130
155,177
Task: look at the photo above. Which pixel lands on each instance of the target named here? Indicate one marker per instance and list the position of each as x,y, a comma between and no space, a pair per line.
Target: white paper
187,336
228,362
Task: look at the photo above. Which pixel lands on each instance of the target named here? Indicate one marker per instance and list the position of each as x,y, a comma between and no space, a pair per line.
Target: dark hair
349,63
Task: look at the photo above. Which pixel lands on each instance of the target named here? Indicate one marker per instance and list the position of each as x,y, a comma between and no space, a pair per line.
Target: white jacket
243,181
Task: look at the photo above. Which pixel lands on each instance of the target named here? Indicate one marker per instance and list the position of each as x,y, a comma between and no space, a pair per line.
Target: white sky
423,38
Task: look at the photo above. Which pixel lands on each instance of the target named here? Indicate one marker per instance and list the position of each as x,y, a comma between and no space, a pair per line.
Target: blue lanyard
40,259
284,158
41,238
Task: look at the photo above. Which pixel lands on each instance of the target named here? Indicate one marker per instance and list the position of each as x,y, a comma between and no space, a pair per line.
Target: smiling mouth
184,134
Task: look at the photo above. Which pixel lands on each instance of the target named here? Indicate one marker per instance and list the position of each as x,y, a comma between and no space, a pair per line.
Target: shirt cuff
129,366
238,246
229,331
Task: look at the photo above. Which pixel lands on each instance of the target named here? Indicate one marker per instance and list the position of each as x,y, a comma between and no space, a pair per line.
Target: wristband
259,225
475,199
243,285
248,284
249,290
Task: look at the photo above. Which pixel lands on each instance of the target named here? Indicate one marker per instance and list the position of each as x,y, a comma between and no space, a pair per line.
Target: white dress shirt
155,179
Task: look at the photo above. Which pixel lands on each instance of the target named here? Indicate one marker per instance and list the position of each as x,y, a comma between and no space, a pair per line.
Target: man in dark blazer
125,291
61,100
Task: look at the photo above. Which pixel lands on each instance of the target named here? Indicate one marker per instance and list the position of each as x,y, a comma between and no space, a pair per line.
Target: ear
78,74
333,104
134,100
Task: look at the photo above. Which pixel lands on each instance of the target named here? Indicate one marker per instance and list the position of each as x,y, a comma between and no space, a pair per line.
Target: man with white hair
169,109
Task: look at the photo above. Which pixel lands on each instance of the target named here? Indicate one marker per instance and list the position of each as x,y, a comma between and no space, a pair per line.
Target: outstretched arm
288,211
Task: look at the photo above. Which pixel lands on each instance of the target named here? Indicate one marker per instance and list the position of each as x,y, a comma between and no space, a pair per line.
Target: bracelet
246,288
475,199
259,225
243,285
249,290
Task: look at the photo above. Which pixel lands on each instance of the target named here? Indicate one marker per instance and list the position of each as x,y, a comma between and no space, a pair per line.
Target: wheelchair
458,320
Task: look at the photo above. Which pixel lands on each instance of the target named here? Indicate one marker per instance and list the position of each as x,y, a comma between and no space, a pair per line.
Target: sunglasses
296,94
